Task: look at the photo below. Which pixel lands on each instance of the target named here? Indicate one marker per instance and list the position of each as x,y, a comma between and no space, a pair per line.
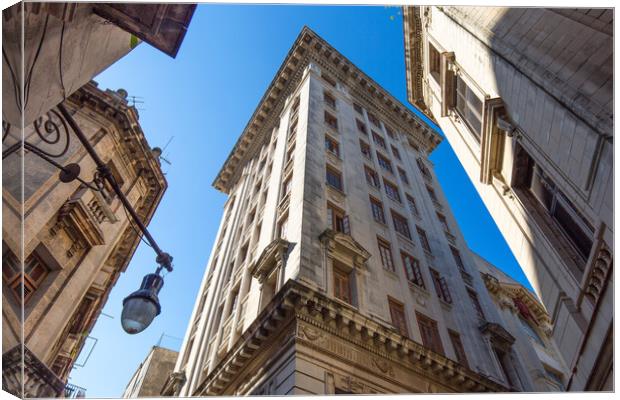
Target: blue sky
203,99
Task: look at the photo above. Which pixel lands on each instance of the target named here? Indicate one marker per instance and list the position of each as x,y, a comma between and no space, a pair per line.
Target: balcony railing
74,391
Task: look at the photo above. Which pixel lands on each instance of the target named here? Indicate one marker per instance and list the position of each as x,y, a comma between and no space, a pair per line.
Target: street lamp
142,306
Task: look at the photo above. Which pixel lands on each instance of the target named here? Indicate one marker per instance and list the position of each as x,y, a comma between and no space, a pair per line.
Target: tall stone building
526,319
338,266
524,96
151,374
76,240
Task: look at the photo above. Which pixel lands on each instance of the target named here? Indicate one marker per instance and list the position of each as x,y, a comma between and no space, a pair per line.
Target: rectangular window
401,225
361,126
282,226
357,108
35,271
342,285
295,106
374,120
576,229
423,240
396,153
328,79
441,286
286,186
473,296
423,169
412,269
371,177
337,220
385,252
390,132
365,149
459,350
457,259
431,193
378,139
412,205
331,120
443,222
329,100
377,210
397,313
429,333
289,154
384,163
403,175
391,190
292,130
433,62
334,178
469,107
332,146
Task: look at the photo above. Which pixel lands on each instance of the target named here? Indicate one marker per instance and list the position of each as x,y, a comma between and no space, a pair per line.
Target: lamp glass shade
142,306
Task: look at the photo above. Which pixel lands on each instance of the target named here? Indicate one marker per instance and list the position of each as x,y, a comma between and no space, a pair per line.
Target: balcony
74,392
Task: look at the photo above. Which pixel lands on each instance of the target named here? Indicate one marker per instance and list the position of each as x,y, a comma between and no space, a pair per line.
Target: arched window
531,332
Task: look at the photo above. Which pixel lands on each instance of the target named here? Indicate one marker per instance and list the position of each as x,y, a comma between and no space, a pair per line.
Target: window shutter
330,217
444,288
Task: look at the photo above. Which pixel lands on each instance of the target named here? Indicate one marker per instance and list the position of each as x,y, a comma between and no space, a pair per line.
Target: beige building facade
524,97
76,240
151,374
526,319
338,266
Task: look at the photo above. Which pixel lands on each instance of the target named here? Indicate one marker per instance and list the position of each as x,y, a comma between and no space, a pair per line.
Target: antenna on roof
133,100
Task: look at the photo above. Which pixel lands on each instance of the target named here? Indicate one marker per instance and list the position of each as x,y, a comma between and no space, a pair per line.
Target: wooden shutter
458,348
397,312
345,225
429,333
342,289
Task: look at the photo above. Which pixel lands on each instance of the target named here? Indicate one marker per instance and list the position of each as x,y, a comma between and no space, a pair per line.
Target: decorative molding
271,258
334,328
38,380
344,248
80,224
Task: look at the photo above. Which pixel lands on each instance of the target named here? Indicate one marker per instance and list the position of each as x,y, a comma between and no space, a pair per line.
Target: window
441,287
412,269
455,338
390,132
289,154
429,333
469,107
332,146
282,226
507,369
576,229
334,178
457,259
342,285
33,275
391,190
365,149
328,79
431,193
378,139
403,175
433,62
396,153
295,106
331,120
423,169
384,163
337,220
292,130
400,225
473,296
286,186
371,177
108,192
397,313
423,240
385,252
554,376
444,222
377,210
329,100
374,120
361,126
357,108
412,205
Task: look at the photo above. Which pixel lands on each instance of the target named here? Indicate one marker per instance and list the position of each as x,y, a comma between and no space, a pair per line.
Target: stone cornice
516,291
304,306
309,47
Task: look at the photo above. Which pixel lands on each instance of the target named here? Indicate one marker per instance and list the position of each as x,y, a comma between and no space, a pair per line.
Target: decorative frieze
37,380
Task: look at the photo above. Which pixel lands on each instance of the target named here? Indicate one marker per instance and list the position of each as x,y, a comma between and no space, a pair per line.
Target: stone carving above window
80,224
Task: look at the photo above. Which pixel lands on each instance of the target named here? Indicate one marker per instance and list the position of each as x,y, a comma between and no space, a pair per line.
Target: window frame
336,174
385,254
379,215
398,316
412,269
402,226
392,189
